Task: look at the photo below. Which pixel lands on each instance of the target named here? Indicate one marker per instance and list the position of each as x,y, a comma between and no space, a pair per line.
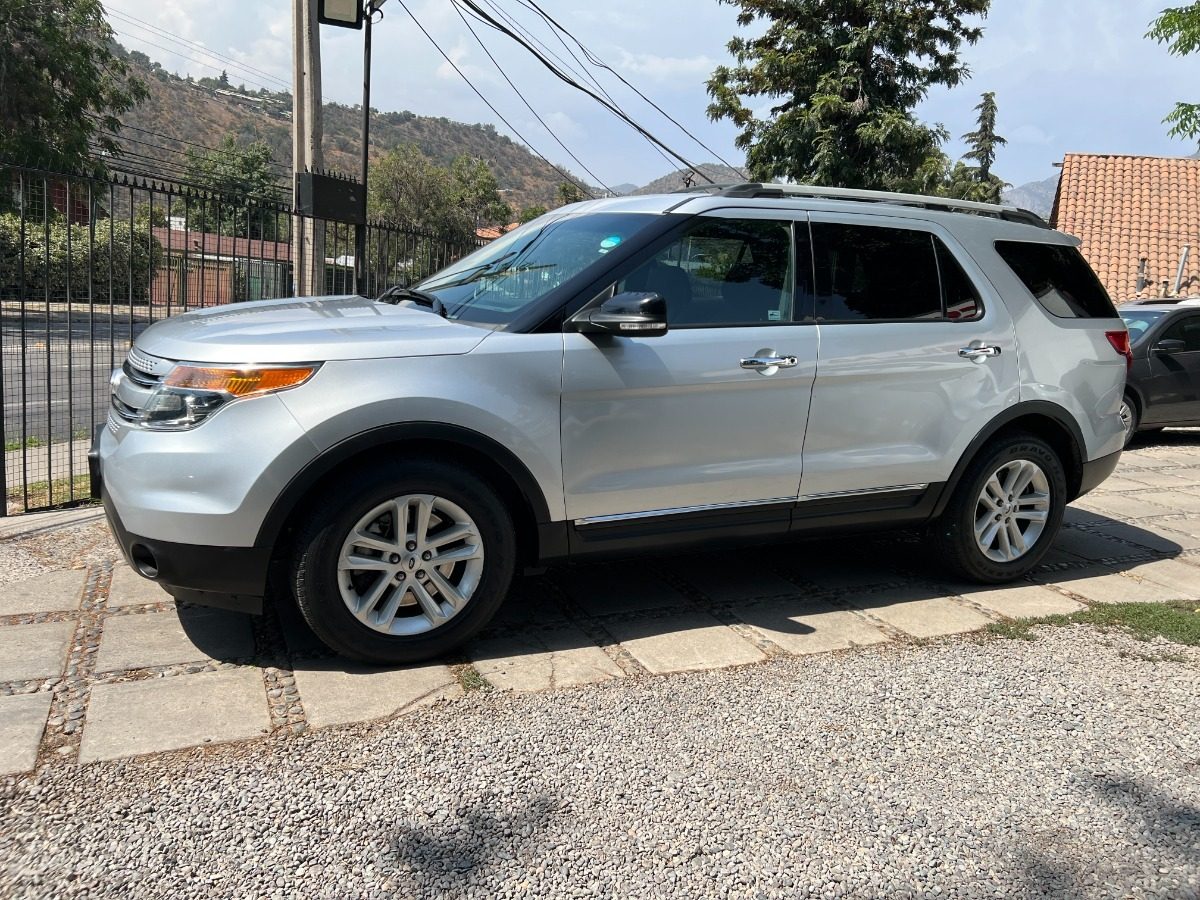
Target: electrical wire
199,62
567,79
596,61
528,106
570,178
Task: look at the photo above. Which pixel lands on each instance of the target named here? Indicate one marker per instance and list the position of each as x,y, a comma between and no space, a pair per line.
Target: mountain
181,113
1037,196
675,180
622,190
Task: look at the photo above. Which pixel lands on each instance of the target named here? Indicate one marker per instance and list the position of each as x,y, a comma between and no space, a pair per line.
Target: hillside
181,111
673,181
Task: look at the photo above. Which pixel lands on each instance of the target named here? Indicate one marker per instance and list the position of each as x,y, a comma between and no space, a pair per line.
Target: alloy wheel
1012,510
410,565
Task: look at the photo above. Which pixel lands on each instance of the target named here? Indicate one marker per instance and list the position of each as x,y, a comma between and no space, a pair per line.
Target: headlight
189,394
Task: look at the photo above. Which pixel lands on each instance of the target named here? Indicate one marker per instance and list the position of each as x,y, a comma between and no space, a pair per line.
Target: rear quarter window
1059,279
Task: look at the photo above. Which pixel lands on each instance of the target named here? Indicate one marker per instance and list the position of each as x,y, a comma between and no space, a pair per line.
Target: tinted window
1059,278
866,272
1139,323
723,272
1187,331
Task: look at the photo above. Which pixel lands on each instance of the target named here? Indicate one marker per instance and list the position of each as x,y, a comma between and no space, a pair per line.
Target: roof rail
755,190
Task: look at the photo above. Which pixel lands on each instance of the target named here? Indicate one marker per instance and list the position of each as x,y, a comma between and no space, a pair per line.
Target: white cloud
667,68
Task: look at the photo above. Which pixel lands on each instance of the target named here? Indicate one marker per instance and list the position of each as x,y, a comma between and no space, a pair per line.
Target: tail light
1120,343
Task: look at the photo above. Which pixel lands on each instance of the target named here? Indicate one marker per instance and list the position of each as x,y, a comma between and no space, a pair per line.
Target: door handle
770,362
978,353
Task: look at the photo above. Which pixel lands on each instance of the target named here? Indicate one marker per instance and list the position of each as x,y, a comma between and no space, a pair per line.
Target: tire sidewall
319,548
980,566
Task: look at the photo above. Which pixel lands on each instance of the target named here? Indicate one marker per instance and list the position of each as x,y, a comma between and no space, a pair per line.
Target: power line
185,42
567,79
487,102
596,61
528,106
200,62
167,137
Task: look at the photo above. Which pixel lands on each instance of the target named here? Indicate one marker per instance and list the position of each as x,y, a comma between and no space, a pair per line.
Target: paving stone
34,651
51,592
1179,579
687,641
809,626
1148,533
1073,515
847,575
22,721
131,589
157,714
542,660
1152,478
1022,601
1107,586
531,602
1176,501
601,591
1116,484
916,612
166,638
726,586
336,691
1090,545
1117,507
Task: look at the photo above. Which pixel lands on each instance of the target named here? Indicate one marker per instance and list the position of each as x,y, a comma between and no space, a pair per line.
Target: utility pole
308,235
360,231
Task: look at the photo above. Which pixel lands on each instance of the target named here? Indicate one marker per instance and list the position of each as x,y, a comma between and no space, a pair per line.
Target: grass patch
1178,621
29,442
45,494
471,680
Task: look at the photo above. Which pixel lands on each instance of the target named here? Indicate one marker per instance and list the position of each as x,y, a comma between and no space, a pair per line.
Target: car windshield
496,283
1139,322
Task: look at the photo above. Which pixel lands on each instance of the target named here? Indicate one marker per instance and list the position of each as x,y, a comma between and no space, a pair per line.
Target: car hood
307,330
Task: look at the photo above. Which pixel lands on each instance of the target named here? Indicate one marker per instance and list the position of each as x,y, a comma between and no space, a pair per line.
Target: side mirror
632,314
1170,346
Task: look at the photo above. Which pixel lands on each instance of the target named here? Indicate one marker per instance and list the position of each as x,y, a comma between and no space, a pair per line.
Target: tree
529,213
1179,28
977,182
569,192
477,192
243,175
62,86
843,78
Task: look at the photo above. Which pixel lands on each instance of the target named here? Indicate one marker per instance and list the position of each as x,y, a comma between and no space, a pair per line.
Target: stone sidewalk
97,663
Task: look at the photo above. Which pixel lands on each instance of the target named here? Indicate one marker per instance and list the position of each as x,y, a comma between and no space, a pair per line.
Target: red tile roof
210,245
1129,208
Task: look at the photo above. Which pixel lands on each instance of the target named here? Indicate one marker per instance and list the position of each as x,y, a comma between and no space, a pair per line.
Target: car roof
1155,307
957,216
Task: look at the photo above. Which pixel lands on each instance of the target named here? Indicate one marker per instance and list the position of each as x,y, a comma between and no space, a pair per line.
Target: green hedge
133,254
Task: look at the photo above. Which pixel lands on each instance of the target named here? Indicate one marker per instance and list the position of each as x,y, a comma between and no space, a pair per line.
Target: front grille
142,374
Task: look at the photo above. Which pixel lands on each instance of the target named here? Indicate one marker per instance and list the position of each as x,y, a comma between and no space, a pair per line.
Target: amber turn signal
240,382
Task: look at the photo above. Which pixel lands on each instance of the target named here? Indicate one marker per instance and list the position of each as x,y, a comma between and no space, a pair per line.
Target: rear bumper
1096,471
226,577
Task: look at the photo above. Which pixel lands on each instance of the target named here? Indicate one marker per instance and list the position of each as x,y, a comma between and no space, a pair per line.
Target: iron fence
87,264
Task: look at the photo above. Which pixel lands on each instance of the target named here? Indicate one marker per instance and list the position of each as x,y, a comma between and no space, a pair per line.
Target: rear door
917,356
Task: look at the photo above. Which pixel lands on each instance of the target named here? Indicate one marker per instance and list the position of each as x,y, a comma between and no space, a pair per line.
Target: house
201,268
1135,216
491,232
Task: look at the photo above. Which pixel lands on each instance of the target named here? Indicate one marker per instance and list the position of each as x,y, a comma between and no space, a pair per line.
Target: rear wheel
1006,511
402,563
1129,418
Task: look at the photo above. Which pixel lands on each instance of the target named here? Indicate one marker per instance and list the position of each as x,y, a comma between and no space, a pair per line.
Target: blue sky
1070,75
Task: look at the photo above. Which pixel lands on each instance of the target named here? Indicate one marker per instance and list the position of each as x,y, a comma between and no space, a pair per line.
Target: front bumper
227,577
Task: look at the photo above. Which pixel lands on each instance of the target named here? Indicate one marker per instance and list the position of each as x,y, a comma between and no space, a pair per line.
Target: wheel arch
486,457
1046,420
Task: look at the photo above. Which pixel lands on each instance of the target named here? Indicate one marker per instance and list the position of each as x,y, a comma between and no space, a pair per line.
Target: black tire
314,575
954,533
1135,417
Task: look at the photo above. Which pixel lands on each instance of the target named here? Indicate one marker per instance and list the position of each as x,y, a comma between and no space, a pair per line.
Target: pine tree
984,141
843,78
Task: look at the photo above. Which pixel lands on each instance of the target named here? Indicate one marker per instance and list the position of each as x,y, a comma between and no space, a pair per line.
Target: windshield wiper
412,296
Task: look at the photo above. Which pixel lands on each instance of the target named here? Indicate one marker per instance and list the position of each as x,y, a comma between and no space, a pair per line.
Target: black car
1164,384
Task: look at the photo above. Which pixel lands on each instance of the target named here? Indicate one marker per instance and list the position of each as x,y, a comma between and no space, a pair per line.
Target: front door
1173,386
696,420
915,360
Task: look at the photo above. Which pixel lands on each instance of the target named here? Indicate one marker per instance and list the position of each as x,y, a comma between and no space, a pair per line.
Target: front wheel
1005,512
403,563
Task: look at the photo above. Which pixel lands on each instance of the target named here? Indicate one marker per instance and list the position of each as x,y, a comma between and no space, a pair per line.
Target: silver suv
640,374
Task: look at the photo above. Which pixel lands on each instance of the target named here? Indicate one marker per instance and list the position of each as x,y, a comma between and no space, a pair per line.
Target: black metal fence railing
87,264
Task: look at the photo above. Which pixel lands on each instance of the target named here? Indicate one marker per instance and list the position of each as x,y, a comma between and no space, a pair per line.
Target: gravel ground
1066,766
29,553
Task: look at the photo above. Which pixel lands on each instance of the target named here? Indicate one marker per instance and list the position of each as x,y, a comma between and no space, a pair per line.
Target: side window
961,299
723,272
865,273
1059,279
1187,331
